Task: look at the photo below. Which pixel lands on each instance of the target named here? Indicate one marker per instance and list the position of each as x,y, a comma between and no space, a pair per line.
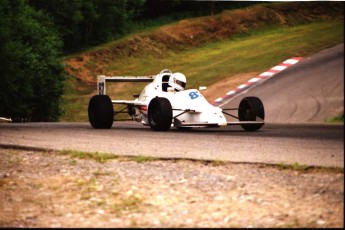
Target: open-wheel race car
165,103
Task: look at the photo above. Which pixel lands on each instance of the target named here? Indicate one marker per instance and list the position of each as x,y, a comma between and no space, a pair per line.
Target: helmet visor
181,83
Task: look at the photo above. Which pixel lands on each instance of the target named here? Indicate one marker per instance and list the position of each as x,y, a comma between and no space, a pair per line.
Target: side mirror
201,88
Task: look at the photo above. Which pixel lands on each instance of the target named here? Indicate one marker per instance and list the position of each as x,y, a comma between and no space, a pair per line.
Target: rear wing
102,80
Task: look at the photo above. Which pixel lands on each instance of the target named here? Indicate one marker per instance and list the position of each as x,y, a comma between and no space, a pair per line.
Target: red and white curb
260,78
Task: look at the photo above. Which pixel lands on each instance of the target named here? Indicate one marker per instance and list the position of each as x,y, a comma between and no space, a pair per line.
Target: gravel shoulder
48,189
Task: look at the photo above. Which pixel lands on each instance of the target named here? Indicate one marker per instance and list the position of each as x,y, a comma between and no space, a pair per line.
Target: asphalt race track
319,145
307,92
296,102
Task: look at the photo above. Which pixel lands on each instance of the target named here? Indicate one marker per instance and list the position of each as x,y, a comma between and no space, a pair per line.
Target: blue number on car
193,95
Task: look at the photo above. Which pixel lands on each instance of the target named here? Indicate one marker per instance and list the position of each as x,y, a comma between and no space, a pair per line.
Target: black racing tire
250,109
101,112
160,114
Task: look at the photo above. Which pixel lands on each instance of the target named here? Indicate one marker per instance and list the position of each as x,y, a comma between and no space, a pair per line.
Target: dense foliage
31,74
84,23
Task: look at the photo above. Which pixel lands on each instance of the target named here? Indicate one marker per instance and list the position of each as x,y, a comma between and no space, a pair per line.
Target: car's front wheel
160,114
250,109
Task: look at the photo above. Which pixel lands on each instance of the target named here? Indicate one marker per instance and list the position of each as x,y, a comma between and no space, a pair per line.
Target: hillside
201,46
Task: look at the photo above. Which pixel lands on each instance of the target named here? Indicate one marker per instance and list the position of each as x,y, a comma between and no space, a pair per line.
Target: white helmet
177,81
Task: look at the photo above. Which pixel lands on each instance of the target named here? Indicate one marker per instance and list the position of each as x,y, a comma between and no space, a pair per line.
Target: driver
178,81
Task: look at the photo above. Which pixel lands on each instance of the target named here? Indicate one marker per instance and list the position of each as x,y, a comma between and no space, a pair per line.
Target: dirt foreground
48,189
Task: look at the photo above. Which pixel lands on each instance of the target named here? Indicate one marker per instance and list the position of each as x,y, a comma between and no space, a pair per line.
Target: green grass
75,100
255,51
102,157
247,53
336,119
142,159
306,168
295,166
97,156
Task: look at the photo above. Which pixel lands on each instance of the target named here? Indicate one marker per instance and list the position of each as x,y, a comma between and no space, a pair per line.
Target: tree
67,17
84,23
31,73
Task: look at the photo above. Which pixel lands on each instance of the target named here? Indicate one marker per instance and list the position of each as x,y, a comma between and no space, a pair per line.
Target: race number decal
193,95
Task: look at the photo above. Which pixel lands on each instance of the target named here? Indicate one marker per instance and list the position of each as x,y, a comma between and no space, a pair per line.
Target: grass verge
103,157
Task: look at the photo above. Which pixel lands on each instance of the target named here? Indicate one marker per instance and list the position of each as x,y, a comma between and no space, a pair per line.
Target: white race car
164,103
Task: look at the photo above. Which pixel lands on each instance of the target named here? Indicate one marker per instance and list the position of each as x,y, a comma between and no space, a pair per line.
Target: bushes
84,23
31,73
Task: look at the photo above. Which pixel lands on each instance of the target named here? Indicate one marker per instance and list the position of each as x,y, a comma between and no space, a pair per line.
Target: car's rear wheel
101,112
160,114
250,109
